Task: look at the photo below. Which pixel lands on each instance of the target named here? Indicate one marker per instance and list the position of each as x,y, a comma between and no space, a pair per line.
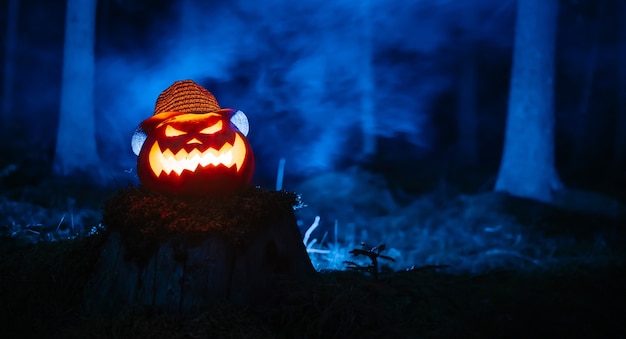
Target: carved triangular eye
173,132
216,127
139,137
240,120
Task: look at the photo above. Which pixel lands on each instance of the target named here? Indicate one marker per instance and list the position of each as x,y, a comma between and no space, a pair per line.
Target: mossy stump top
144,218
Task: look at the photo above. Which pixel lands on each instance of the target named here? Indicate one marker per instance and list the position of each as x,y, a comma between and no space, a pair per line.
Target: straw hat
186,96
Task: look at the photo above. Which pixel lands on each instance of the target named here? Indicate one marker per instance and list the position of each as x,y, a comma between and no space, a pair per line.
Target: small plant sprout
373,253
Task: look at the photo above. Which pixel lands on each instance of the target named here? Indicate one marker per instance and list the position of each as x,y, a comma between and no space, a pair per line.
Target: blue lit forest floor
515,269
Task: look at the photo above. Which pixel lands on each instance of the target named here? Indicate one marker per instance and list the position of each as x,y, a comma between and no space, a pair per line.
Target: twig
310,230
280,174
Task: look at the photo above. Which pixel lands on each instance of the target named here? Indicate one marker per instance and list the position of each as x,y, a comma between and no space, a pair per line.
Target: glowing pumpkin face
194,153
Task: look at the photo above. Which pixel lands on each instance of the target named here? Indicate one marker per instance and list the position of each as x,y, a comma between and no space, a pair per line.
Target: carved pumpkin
191,147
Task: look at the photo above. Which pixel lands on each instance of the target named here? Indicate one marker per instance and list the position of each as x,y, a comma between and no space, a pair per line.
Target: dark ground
567,279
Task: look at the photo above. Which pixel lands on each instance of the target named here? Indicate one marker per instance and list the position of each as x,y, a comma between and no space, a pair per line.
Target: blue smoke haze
294,68
302,71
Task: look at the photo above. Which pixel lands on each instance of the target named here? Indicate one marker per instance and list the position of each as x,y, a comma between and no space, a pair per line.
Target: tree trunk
467,119
10,47
587,133
76,150
619,154
183,277
366,83
466,112
527,168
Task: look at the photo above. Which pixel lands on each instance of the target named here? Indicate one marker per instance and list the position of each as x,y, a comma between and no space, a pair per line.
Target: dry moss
144,218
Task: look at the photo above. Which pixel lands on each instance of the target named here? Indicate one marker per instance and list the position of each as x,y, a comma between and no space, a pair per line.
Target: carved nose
194,141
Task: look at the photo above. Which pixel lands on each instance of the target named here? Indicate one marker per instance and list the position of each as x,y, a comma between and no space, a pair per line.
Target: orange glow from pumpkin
213,129
173,132
168,162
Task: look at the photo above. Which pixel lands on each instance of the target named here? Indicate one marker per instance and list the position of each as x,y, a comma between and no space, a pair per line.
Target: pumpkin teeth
168,162
239,151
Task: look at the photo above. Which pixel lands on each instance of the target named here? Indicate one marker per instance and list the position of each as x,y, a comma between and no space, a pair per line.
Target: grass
514,269
472,234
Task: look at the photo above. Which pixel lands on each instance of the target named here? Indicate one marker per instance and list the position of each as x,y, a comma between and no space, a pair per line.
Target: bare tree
76,150
366,82
527,168
586,127
467,116
9,60
619,154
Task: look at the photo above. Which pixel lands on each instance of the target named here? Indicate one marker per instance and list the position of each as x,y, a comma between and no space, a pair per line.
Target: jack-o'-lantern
192,147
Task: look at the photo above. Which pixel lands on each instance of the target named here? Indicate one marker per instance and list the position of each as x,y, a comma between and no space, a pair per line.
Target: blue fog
295,69
307,73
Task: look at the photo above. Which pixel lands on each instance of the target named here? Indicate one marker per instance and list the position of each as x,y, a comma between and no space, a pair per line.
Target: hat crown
185,96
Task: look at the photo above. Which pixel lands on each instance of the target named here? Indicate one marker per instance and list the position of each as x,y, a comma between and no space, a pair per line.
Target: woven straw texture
186,96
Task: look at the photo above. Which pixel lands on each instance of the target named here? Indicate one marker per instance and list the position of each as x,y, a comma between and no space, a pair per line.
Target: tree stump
182,257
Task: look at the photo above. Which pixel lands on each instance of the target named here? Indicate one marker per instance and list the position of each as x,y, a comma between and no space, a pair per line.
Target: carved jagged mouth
168,162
